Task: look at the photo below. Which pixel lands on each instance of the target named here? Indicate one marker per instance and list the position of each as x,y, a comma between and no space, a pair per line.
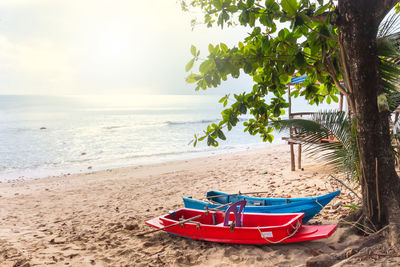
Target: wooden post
299,157
290,103
292,157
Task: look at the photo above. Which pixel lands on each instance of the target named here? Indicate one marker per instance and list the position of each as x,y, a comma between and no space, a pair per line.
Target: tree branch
344,62
322,17
323,35
319,18
337,83
331,71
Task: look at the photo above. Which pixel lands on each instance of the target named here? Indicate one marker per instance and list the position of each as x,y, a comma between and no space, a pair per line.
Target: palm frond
389,52
389,26
343,154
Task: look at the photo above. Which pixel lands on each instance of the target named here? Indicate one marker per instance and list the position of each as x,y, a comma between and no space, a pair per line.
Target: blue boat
310,206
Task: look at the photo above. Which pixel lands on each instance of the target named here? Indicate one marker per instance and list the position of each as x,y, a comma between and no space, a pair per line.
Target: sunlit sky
102,47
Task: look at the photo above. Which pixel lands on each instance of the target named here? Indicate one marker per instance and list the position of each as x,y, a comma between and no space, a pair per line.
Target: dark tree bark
358,24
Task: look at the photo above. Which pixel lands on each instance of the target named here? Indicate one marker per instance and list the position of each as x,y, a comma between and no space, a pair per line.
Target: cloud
17,3
37,64
87,46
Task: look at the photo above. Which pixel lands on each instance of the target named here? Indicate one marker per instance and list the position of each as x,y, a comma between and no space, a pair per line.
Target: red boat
238,227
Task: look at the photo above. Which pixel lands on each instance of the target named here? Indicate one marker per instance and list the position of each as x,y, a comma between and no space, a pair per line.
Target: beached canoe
310,206
241,228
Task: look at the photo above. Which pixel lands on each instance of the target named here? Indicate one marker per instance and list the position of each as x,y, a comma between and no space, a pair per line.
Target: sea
44,136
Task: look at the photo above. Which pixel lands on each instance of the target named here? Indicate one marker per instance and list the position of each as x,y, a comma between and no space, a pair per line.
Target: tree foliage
307,44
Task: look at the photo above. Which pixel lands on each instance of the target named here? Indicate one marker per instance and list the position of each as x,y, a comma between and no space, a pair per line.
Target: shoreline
42,172
92,219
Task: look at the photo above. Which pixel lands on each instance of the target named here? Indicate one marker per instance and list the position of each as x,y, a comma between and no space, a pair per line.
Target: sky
74,47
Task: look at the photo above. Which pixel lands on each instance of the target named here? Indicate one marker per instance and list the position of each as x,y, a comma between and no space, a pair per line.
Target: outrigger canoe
240,228
310,206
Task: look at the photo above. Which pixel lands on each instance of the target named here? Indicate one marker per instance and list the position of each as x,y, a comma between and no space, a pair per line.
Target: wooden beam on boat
168,226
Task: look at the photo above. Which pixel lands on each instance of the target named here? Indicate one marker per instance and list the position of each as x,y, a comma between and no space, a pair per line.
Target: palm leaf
343,154
388,50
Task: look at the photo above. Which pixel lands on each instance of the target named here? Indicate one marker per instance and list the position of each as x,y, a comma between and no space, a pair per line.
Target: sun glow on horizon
109,46
114,46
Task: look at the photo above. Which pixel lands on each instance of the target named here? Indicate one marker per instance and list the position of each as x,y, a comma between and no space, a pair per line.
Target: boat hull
310,206
256,229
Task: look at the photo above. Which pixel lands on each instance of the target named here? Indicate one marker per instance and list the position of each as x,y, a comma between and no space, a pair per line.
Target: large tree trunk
358,24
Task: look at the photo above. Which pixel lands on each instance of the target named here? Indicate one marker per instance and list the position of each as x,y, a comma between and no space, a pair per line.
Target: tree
330,42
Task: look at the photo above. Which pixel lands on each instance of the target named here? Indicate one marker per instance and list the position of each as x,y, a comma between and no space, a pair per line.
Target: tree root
352,217
350,251
377,244
394,224
357,224
375,252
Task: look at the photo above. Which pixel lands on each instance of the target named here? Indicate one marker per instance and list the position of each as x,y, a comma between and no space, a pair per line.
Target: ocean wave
112,127
193,151
198,121
190,122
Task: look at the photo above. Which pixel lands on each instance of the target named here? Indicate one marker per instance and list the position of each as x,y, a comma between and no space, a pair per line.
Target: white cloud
86,46
38,61
16,3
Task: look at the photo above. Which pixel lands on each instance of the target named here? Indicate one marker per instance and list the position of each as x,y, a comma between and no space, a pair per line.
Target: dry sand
92,219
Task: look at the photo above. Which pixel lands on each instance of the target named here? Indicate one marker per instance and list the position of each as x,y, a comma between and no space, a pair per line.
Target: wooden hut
291,138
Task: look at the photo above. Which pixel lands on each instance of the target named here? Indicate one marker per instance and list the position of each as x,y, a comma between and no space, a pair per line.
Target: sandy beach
92,219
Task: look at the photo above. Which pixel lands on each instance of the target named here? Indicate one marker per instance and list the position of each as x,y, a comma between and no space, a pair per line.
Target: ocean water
48,135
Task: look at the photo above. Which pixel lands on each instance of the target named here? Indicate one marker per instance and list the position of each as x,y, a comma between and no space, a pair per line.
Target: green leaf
224,47
193,50
192,78
298,21
217,4
352,206
284,78
248,68
209,140
244,17
206,66
383,104
252,19
289,6
328,99
189,65
210,48
299,60
321,10
269,4
250,3
233,9
221,135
